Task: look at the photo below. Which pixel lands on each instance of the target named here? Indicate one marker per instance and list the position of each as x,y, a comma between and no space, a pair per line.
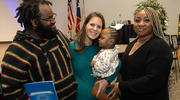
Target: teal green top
83,72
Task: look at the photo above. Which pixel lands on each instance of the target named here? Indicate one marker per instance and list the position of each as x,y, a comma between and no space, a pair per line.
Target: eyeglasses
52,19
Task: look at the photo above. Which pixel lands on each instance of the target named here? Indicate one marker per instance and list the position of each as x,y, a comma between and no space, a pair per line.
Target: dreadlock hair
114,34
28,10
154,20
80,36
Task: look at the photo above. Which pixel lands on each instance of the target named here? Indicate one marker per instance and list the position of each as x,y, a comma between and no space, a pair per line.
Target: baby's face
104,38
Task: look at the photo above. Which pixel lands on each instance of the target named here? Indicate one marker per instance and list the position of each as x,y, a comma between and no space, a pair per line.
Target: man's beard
45,32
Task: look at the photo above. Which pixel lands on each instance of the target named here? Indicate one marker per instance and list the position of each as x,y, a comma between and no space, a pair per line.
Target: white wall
109,8
9,25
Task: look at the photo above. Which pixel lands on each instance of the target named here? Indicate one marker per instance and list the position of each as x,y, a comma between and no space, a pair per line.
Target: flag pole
70,35
84,9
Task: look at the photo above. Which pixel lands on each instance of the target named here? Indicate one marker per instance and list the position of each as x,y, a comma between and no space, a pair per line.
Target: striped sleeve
14,75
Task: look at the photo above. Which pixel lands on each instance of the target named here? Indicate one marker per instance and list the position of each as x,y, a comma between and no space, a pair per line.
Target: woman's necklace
136,46
88,44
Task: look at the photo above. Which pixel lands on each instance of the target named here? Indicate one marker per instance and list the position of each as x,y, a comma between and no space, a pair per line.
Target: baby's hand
92,64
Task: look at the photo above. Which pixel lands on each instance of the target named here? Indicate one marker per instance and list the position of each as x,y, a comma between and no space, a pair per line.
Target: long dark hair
28,10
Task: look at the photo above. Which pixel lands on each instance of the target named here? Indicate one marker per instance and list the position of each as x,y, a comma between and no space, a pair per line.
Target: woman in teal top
83,49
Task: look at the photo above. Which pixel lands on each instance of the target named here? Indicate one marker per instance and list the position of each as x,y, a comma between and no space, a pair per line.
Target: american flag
78,17
70,16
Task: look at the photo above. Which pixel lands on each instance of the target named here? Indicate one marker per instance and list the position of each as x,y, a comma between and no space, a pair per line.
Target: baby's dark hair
114,34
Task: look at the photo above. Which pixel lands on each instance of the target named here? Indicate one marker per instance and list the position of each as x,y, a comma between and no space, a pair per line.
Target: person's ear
111,41
34,22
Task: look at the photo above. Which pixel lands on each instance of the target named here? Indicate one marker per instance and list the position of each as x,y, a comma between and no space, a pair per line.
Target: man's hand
114,91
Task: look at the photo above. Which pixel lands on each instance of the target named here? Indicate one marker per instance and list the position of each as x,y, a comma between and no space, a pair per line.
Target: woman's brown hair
80,36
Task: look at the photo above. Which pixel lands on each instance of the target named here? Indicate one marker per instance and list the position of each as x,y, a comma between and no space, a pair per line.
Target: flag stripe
78,17
70,16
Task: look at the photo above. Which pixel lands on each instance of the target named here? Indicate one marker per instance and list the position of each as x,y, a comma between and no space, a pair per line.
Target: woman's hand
103,84
114,91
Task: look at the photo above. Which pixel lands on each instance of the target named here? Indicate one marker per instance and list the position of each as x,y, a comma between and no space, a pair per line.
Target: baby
104,64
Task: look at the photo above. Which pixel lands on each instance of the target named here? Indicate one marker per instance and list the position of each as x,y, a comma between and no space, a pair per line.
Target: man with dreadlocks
146,62
38,53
